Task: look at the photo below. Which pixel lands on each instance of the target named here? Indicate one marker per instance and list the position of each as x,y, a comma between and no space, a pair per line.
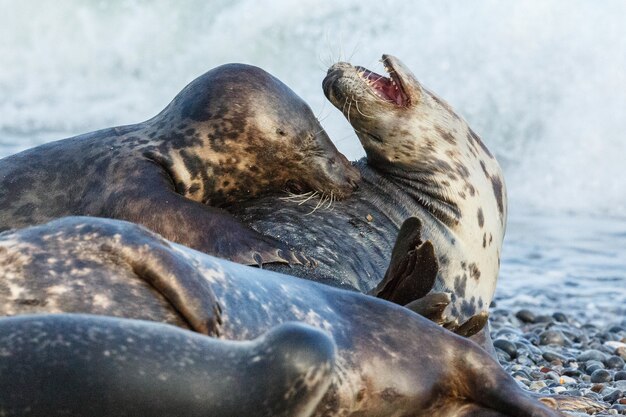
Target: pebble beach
558,354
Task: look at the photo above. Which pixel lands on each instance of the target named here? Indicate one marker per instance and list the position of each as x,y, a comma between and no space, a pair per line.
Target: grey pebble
591,354
552,337
552,356
601,375
620,376
507,347
614,362
592,366
526,316
614,396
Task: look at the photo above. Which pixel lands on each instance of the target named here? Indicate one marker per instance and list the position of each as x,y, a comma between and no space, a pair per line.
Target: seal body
423,161
390,361
81,365
232,134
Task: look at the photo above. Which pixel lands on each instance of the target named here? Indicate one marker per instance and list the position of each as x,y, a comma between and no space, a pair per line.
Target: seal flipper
570,403
413,267
473,325
431,306
156,205
153,260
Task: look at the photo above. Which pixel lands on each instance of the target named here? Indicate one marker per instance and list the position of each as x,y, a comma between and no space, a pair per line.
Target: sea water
543,82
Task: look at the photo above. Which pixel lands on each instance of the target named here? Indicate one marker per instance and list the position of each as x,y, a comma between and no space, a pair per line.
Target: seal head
257,137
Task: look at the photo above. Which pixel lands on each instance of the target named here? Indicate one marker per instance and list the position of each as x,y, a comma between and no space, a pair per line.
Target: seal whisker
319,204
292,196
330,200
356,104
304,201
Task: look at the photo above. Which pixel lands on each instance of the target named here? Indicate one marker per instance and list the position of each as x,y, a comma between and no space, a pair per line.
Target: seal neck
415,190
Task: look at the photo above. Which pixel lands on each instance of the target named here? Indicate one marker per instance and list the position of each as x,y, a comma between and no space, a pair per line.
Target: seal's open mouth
387,88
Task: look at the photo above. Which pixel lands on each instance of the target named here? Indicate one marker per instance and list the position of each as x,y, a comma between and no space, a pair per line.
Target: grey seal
232,134
423,161
390,360
83,365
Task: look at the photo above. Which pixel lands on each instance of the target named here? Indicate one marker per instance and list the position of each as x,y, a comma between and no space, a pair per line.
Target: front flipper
473,325
151,200
153,260
413,267
431,306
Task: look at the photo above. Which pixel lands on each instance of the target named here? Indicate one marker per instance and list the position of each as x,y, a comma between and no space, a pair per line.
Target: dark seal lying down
82,365
389,361
232,134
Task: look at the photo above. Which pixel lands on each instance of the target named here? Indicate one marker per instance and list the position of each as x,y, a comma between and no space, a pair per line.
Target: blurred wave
541,81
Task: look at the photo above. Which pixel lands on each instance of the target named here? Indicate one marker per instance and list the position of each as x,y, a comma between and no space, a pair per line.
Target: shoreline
557,354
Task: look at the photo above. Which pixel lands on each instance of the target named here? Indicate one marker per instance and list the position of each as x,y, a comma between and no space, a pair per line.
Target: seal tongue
386,88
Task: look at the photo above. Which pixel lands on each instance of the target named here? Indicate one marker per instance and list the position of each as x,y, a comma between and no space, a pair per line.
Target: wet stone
614,362
552,337
526,316
551,356
617,329
560,317
575,373
620,376
507,347
591,354
601,375
591,366
613,396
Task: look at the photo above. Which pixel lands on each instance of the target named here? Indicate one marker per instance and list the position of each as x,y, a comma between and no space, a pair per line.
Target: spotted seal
390,361
81,365
423,161
234,133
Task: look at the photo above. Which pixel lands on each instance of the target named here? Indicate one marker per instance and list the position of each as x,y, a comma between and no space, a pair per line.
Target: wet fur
423,161
390,361
232,134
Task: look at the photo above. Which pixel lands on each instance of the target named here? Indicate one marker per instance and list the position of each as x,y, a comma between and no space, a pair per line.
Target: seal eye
281,132
375,138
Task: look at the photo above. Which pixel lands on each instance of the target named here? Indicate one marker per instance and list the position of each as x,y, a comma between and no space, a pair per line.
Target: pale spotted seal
390,361
423,161
82,365
233,133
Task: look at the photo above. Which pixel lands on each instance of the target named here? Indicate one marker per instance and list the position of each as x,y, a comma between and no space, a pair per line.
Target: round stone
620,376
614,396
560,317
614,362
526,316
591,355
600,375
506,346
552,356
552,337
592,366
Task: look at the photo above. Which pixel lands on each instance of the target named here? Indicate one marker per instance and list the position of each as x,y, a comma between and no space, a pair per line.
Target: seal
423,161
389,361
232,134
81,365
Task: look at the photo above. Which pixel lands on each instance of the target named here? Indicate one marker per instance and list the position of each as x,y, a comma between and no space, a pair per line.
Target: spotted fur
425,145
389,360
232,134
423,161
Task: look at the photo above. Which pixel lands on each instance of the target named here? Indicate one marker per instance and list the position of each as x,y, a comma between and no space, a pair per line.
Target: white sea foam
541,81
